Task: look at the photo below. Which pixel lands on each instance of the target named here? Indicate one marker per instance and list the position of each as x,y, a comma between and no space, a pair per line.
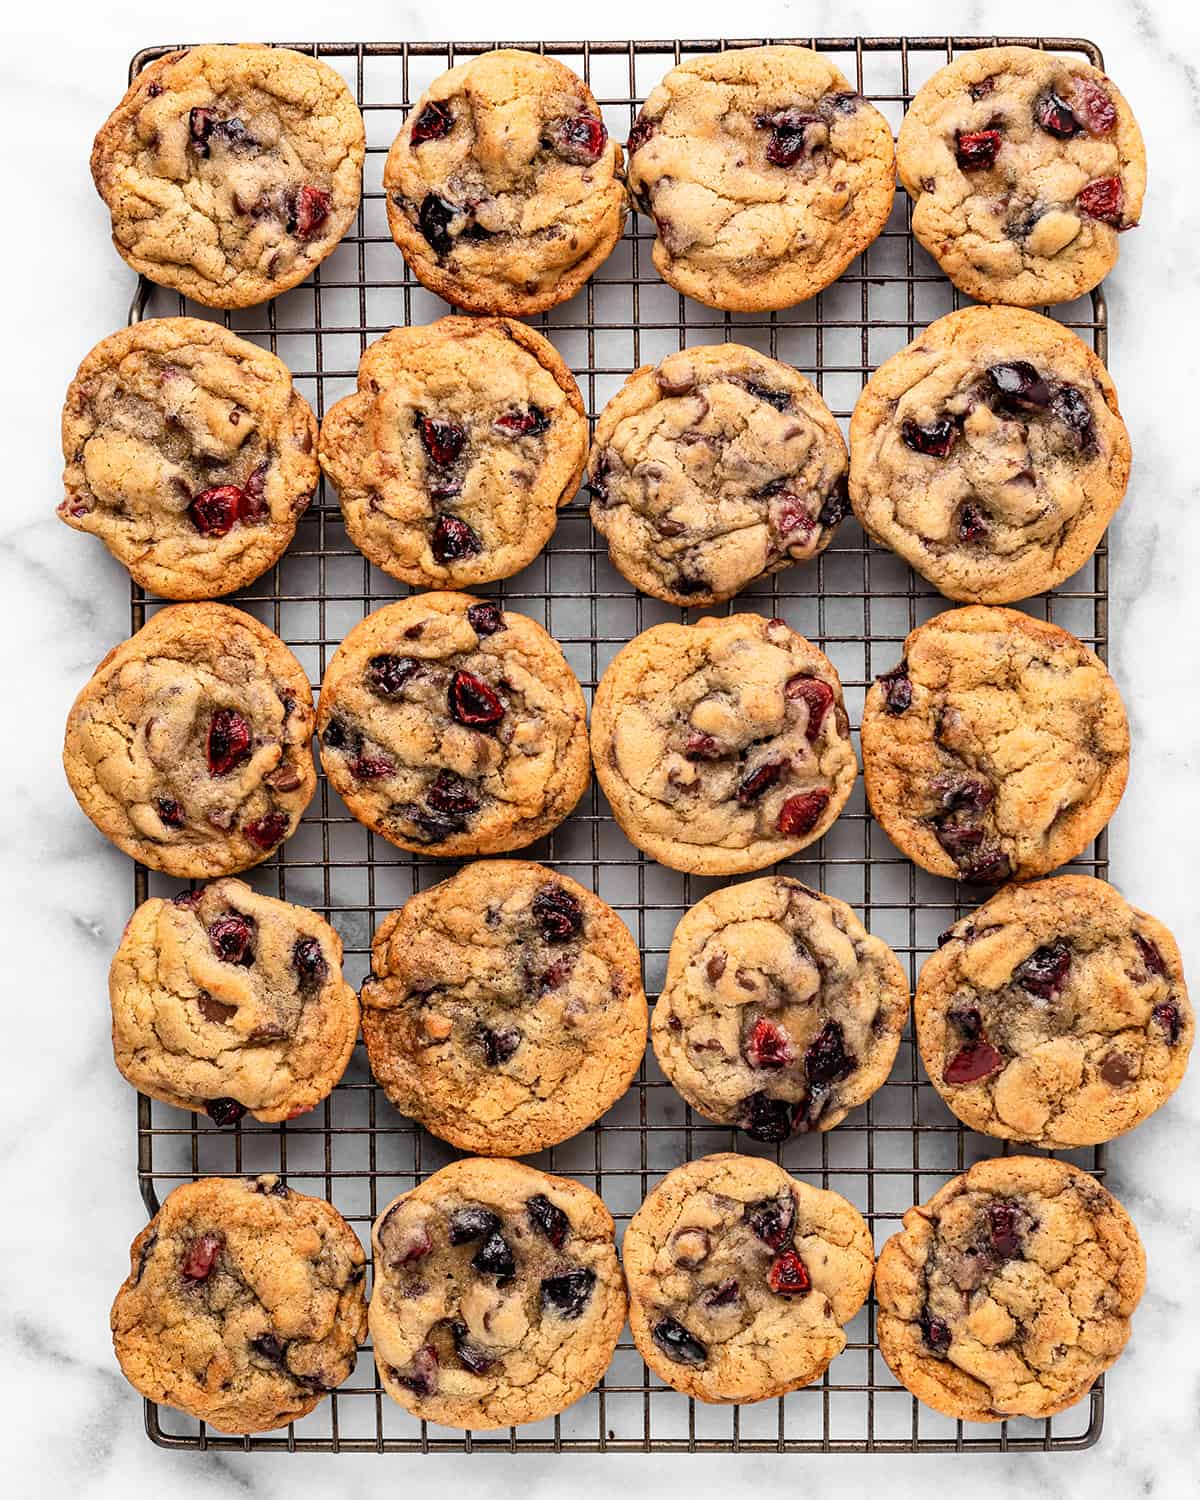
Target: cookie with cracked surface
453,727
997,748
1023,167
244,1303
1056,1014
506,1012
453,457
990,454
231,172
1010,1291
742,1278
715,469
228,1002
780,1012
191,746
765,175
722,746
504,191
498,1295
189,453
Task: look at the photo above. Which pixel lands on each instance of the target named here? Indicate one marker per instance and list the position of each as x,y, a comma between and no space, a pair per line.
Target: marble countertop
70,1423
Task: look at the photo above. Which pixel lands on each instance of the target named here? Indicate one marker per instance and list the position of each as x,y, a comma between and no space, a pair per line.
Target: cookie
741,1278
190,747
1056,1014
780,1012
453,457
1023,167
453,727
722,746
228,1002
498,1295
713,470
504,191
244,1303
997,748
1010,1291
189,454
764,173
231,172
990,454
507,1011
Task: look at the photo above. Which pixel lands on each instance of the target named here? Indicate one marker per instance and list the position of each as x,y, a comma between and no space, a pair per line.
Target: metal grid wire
856,601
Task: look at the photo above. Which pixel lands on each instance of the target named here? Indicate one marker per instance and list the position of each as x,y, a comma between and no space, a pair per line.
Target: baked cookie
453,727
1010,1291
189,454
780,1011
722,746
191,746
1022,167
1056,1014
453,457
990,454
243,1305
228,1002
716,468
764,173
231,172
998,747
507,1010
498,1295
742,1278
504,191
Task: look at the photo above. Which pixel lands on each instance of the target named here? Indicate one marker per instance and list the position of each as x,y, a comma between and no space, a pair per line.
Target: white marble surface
70,1424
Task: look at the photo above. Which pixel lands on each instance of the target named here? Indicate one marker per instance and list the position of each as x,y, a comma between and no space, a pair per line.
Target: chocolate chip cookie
997,748
990,454
191,746
243,1305
1010,1291
780,1012
1056,1014
498,1295
189,454
453,727
765,175
1023,167
742,1278
507,1010
715,469
504,191
722,746
457,450
228,1002
231,172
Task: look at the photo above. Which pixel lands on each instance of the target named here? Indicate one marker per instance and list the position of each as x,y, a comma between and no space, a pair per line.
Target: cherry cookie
231,172
780,1012
190,748
453,727
742,1279
1010,1291
504,191
244,1304
722,746
228,1002
1056,1014
714,470
498,1296
1023,167
189,454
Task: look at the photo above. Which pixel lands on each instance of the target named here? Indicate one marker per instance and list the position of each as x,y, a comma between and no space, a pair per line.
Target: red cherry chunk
312,209
975,150
1103,200
1098,109
768,1045
801,814
228,742
201,1257
971,1063
431,124
214,512
817,695
268,831
788,1276
473,703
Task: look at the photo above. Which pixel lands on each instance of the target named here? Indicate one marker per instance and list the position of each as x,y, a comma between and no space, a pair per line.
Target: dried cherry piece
473,703
760,781
975,150
228,741
788,1276
801,814
971,1063
434,121
817,695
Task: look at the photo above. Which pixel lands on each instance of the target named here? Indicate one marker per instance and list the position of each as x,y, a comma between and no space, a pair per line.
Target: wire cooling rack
858,602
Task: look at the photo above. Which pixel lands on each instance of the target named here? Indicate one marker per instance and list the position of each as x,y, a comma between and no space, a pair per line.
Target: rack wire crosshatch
856,602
